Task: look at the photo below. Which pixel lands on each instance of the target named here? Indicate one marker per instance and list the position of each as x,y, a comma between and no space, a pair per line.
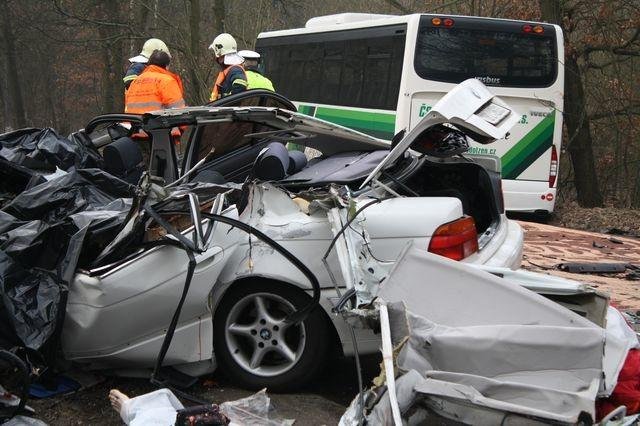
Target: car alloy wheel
258,338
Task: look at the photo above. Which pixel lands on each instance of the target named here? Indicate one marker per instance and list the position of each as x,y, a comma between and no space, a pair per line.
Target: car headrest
209,176
272,162
122,157
297,162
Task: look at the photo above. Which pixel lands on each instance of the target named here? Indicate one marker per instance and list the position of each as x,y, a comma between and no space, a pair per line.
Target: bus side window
376,74
353,73
310,84
358,68
332,64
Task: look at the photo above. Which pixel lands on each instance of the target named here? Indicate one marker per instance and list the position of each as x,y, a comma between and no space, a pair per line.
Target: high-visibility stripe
240,81
130,77
151,104
177,104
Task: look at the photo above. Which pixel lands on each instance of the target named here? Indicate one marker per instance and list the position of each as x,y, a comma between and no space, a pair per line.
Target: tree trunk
4,118
112,86
218,16
635,196
196,94
551,11
580,144
13,82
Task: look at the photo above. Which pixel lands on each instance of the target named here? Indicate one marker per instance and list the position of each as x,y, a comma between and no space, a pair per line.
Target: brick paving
547,246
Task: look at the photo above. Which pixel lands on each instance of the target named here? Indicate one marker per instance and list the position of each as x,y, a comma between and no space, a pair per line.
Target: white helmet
249,54
152,45
224,44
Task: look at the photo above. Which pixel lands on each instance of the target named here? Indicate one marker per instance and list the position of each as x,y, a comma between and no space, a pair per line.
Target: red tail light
553,167
447,22
455,240
537,29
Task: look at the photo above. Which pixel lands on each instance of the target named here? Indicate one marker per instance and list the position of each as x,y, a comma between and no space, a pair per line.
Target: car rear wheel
256,348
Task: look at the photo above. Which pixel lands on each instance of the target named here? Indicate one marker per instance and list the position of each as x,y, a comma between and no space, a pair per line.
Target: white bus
380,74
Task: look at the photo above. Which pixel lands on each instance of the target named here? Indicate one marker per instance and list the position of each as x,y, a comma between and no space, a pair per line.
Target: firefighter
139,63
232,78
156,88
255,79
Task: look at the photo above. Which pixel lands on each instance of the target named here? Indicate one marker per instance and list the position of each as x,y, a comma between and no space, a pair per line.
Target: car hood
327,137
471,107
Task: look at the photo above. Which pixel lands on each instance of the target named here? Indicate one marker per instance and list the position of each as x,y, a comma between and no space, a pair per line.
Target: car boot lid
472,108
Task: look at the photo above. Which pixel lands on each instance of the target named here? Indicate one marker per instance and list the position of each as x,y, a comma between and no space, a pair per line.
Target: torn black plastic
44,149
46,233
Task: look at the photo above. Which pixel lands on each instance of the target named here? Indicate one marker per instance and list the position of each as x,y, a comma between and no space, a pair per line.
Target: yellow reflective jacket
255,80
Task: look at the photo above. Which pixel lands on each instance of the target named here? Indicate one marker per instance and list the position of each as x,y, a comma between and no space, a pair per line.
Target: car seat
123,159
297,162
209,176
272,163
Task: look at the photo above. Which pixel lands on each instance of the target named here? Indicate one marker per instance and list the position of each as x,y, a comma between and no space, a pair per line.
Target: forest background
62,62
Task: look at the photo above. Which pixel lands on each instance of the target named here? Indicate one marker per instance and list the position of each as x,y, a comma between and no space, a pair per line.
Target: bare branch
629,110
622,49
444,6
592,65
63,12
399,6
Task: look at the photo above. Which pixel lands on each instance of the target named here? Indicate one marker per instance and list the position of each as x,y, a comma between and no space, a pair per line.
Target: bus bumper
528,196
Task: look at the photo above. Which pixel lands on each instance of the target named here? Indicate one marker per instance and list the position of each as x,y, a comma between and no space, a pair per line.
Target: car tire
253,346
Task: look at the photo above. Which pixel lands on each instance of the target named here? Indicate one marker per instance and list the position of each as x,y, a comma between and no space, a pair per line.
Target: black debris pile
14,179
44,150
46,232
77,220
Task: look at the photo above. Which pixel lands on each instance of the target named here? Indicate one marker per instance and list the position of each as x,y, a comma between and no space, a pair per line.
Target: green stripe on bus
307,110
357,115
528,149
377,124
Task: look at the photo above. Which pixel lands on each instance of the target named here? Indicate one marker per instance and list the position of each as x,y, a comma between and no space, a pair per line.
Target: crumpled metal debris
475,348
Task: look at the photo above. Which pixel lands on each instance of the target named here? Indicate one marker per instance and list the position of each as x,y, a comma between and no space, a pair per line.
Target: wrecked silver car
221,249
241,288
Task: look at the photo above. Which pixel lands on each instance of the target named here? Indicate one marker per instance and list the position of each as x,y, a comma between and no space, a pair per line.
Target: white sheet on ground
154,408
160,408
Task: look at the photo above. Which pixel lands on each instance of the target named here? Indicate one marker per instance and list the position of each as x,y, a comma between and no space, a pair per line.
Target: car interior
233,148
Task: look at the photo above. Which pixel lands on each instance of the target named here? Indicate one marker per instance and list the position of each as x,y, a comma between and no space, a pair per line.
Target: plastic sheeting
14,179
154,408
44,149
160,407
46,232
254,410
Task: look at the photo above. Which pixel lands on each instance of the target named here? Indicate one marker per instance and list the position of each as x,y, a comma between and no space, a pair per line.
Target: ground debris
547,246
606,220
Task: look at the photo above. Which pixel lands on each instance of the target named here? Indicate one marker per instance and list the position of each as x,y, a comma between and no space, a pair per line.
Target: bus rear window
501,55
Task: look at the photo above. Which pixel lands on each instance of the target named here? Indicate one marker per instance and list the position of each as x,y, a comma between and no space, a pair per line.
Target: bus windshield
499,53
